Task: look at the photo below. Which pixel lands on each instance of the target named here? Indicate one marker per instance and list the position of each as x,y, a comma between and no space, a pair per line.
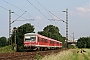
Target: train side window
52,42
57,43
60,43
45,40
41,39
38,39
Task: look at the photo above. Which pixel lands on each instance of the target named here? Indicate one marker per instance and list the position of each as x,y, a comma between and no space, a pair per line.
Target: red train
33,41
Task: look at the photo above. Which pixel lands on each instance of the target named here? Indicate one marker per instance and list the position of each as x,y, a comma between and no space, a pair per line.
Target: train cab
29,41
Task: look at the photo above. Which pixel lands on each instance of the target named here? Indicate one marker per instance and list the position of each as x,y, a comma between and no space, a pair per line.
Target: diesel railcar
33,41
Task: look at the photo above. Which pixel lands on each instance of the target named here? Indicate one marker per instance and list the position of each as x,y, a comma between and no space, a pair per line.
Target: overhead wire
36,8
19,17
16,7
13,5
14,13
51,13
57,17
20,9
42,6
46,11
4,8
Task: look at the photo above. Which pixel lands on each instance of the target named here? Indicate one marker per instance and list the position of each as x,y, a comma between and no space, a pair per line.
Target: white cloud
38,17
83,11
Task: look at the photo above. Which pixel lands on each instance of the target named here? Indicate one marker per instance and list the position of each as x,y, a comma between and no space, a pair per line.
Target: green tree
52,32
83,42
52,29
3,41
26,28
88,42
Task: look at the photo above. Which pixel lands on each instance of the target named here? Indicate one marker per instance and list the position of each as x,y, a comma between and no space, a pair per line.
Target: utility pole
66,27
15,48
9,26
73,37
10,42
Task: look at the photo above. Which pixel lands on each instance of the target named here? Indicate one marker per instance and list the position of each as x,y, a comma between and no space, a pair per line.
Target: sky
43,10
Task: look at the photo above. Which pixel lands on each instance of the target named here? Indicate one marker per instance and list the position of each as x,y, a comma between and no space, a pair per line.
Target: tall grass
75,55
70,55
6,49
85,57
64,55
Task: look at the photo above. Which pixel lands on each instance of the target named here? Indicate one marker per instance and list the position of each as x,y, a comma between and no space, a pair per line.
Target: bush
20,48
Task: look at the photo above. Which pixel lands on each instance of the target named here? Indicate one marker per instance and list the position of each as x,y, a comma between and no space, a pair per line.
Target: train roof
48,38
30,34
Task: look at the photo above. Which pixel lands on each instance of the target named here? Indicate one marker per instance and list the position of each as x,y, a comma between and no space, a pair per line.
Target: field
70,54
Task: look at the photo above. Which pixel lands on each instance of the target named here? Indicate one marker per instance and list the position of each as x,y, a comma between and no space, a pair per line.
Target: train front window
30,39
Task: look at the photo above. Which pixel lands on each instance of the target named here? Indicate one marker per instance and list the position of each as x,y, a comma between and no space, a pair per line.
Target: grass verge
70,54
85,57
64,55
6,49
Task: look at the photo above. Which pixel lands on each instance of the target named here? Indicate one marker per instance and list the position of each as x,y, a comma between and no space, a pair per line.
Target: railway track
17,55
26,55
